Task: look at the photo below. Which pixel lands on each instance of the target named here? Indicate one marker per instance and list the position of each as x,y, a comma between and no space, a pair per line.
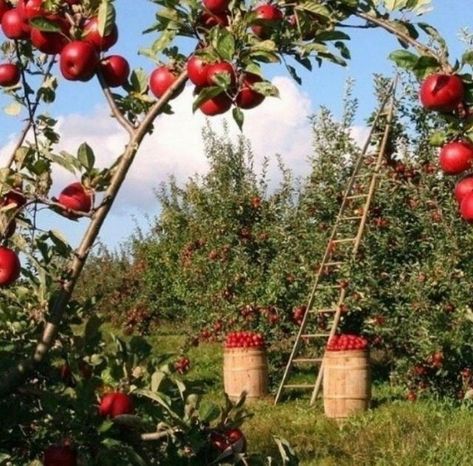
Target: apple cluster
67,32
445,94
207,74
347,342
244,339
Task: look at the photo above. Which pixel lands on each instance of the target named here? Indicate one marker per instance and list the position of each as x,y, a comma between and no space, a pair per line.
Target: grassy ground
395,432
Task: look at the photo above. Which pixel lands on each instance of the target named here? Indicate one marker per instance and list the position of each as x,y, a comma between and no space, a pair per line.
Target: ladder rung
328,287
322,311
299,386
315,335
357,196
343,240
333,263
356,217
305,360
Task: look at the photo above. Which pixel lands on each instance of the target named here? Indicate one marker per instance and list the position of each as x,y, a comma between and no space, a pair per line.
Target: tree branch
113,106
387,26
30,121
10,380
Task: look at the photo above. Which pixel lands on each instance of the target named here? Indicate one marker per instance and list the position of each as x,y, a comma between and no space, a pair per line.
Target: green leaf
139,81
60,242
106,18
404,59
44,24
208,411
266,88
224,44
86,156
205,94
438,138
239,117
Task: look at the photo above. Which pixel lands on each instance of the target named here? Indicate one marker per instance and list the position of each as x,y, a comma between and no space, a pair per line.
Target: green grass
395,432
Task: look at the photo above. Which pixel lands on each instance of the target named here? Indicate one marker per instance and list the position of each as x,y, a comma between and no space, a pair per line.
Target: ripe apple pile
115,404
244,340
445,94
347,342
71,32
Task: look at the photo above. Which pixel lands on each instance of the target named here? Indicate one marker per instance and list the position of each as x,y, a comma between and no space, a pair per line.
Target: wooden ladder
343,243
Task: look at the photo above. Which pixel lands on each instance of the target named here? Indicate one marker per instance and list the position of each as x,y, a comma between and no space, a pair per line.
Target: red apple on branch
466,207
115,70
78,61
267,17
51,42
31,8
9,74
442,92
216,6
456,157
14,25
91,34
217,105
247,97
463,187
217,69
115,404
75,197
10,266
4,6
197,70
161,79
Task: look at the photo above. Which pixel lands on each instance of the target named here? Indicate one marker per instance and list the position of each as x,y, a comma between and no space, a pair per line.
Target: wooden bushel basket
245,369
346,383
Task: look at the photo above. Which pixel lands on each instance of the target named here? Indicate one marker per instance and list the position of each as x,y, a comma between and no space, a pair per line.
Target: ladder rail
357,240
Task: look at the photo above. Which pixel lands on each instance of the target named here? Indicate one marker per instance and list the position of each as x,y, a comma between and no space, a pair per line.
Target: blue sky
80,107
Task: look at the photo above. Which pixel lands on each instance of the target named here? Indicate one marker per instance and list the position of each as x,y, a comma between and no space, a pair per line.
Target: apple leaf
208,411
425,66
106,18
266,88
44,24
404,59
239,117
86,156
438,138
139,81
205,94
224,43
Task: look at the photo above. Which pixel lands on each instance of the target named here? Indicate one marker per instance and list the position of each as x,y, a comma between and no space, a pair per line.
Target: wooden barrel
245,369
346,383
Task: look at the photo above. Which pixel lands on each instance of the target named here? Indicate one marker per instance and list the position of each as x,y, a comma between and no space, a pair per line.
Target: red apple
14,25
247,97
209,20
115,404
267,18
14,197
10,266
463,187
456,157
91,34
236,439
442,92
4,6
221,68
216,6
51,42
115,70
75,197
31,8
466,207
60,455
216,105
197,70
161,79
78,61
9,74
